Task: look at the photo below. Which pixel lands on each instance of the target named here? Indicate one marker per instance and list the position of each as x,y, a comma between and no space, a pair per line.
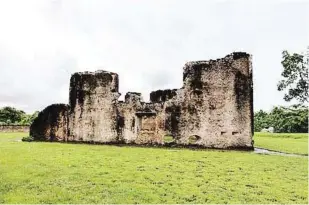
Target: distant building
270,129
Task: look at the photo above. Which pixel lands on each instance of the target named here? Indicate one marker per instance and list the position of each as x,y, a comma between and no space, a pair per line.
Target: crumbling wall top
193,69
162,95
230,57
133,97
94,79
84,84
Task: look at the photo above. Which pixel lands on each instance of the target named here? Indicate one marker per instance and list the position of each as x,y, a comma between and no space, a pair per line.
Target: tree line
292,119
13,116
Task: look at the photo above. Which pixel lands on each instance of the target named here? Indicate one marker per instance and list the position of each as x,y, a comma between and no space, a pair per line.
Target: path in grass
289,143
39,172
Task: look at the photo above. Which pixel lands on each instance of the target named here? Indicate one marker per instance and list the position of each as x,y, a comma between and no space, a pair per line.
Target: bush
27,139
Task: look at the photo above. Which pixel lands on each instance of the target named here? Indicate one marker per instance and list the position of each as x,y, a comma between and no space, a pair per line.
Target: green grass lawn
39,172
290,143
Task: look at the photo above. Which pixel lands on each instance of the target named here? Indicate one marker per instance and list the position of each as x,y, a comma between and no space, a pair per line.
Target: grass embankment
39,172
285,142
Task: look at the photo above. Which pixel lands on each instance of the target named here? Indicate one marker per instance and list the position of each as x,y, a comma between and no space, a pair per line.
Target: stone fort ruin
214,109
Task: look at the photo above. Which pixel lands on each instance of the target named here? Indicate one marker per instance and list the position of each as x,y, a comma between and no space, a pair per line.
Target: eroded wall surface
217,105
214,108
51,124
93,107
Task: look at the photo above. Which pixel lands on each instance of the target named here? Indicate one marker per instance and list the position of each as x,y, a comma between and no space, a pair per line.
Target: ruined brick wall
51,124
214,108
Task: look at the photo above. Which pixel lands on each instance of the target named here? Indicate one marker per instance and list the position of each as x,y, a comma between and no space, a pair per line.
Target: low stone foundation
14,128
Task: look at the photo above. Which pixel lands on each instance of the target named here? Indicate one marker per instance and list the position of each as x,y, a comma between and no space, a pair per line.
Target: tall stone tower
93,107
218,102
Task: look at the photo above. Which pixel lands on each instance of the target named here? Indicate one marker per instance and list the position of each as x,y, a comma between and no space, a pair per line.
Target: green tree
261,120
33,116
293,119
290,119
11,115
295,77
27,119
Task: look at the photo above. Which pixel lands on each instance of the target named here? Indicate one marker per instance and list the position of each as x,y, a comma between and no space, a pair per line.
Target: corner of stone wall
160,96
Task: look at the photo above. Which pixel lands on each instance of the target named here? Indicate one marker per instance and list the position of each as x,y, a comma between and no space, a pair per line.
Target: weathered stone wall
14,128
214,108
127,117
217,105
141,121
162,95
93,107
51,124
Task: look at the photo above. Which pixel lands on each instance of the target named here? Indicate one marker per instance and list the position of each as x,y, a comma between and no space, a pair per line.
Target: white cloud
146,42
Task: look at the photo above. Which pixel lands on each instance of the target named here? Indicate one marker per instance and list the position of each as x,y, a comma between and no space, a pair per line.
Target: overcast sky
146,42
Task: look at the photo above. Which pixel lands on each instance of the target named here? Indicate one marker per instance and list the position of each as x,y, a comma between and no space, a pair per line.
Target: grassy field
38,172
289,143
